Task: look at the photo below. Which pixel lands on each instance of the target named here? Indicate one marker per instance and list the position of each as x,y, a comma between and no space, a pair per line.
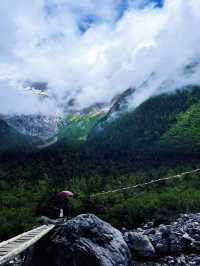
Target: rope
147,183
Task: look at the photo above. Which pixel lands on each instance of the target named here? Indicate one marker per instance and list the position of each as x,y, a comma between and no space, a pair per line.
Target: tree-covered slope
11,141
184,136
138,133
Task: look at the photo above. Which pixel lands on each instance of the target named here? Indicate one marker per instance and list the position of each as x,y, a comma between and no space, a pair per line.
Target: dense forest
160,137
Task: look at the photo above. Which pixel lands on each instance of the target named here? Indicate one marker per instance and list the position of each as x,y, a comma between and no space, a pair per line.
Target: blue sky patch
85,20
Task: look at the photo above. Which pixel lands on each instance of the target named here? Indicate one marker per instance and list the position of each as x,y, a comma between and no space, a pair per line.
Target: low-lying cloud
91,51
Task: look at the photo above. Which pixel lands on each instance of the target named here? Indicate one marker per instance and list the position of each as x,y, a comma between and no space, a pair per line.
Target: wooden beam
16,245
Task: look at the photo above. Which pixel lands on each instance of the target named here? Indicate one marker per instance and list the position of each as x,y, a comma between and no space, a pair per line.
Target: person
61,213
63,200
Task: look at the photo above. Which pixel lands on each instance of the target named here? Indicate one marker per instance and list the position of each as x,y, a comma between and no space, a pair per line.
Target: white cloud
41,41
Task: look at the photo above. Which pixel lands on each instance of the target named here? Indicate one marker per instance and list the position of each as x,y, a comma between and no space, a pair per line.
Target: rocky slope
88,241
40,126
177,243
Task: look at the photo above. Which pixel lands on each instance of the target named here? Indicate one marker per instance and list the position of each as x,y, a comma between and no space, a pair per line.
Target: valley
158,138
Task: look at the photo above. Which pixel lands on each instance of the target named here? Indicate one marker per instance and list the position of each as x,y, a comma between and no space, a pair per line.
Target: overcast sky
92,50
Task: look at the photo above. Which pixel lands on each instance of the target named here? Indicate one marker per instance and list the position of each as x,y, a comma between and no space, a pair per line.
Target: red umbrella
65,194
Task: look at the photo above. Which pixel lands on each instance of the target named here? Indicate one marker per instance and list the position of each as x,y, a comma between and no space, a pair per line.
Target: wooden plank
18,236
9,252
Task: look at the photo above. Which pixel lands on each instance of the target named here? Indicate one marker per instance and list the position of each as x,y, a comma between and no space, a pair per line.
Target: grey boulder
140,245
88,241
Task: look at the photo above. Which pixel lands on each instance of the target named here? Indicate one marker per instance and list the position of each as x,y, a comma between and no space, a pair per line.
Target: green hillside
77,127
137,134
184,136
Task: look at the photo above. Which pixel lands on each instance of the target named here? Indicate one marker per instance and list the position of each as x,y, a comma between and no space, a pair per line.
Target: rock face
40,126
88,241
140,245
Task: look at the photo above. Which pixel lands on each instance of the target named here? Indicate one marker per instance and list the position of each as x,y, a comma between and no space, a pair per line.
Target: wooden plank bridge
11,248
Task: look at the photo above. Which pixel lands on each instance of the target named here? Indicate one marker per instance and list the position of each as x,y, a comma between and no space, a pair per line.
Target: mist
91,51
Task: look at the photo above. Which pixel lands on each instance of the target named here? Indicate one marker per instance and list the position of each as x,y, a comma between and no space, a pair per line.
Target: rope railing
153,181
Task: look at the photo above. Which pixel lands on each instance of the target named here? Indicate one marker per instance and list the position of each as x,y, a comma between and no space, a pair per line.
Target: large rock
88,241
140,245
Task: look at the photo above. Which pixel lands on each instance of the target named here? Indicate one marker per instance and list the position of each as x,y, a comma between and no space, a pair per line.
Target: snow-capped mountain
41,126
